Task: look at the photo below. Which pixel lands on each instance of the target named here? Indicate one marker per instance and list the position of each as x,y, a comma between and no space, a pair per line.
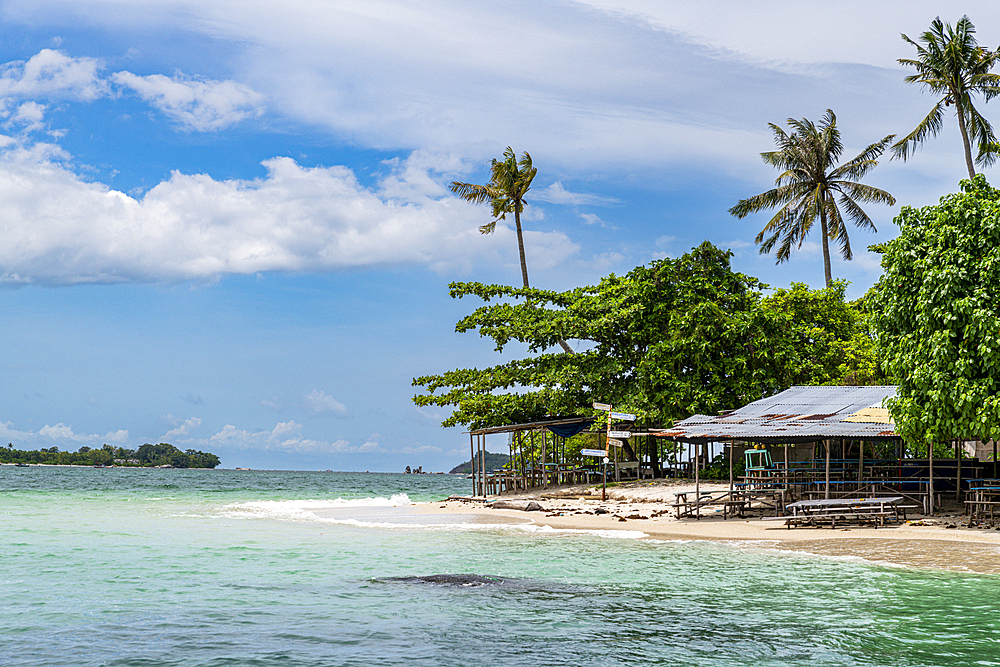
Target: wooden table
832,510
984,501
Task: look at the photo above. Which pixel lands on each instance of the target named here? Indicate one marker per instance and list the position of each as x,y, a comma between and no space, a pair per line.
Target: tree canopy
667,340
937,306
810,185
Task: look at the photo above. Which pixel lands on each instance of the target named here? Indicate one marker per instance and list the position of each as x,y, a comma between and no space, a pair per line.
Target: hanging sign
619,434
623,416
602,406
594,452
615,443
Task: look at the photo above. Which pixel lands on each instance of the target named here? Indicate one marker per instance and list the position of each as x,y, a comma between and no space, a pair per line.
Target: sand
941,541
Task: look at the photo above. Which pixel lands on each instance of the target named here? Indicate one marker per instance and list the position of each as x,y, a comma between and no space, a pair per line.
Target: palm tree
951,63
810,185
510,180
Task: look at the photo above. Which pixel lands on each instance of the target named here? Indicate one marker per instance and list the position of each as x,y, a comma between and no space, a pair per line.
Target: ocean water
175,567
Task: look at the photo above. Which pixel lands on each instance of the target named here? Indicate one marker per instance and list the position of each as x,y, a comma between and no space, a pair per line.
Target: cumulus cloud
53,74
195,104
320,403
60,229
285,436
184,429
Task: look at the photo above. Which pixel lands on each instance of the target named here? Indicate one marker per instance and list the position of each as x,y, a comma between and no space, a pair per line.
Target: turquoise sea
201,567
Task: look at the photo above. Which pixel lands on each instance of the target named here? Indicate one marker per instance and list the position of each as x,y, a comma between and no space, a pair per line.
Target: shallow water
175,567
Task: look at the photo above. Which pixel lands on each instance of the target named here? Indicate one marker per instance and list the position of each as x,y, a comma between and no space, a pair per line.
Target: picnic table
834,510
984,501
902,486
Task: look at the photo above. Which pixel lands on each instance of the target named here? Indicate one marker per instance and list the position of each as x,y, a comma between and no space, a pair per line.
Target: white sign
619,434
623,415
594,452
615,443
602,406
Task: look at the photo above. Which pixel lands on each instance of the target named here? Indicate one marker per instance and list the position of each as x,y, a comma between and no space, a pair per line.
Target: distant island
493,461
162,455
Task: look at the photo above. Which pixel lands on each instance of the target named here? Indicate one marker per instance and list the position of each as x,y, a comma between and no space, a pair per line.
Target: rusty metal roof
798,414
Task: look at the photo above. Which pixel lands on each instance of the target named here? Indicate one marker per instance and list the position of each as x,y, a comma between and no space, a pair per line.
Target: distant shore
941,541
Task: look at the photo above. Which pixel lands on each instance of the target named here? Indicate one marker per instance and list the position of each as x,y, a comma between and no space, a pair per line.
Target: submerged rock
446,580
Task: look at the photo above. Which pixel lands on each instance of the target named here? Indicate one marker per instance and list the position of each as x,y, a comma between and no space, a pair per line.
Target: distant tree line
147,456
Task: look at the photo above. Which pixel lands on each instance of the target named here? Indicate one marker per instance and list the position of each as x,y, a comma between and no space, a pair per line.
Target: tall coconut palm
810,186
510,180
952,64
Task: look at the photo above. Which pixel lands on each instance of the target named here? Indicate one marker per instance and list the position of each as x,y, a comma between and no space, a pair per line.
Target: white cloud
59,431
120,436
53,74
557,194
285,436
183,430
320,403
195,104
29,115
63,230
591,219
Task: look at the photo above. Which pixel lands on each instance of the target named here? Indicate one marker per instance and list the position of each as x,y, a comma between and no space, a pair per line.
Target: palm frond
930,126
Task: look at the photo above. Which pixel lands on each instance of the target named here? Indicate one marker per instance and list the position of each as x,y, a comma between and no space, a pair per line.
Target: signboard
615,443
619,434
602,406
623,415
594,452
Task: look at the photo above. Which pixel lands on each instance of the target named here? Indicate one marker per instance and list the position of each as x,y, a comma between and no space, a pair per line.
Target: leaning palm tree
510,180
952,64
810,185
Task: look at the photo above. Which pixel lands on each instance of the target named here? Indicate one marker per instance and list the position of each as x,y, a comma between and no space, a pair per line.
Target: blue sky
227,224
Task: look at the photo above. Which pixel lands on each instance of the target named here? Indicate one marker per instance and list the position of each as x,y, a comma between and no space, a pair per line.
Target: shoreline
941,542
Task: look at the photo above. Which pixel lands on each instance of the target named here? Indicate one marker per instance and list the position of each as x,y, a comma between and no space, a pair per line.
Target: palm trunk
524,267
520,246
826,246
965,140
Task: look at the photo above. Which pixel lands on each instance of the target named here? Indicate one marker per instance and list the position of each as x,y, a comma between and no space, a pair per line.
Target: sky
227,224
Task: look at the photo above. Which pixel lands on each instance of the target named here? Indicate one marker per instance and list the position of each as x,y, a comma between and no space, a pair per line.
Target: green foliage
809,187
831,339
147,455
667,340
937,307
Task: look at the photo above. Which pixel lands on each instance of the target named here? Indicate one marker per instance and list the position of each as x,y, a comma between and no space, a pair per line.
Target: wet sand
942,541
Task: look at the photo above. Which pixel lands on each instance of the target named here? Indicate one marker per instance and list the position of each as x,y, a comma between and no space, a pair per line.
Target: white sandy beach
940,541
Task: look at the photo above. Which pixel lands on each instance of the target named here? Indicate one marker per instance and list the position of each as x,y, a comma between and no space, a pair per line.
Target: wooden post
930,484
697,483
472,462
826,494
861,461
730,469
545,473
958,472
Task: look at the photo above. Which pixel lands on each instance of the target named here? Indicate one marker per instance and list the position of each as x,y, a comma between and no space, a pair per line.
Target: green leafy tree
810,186
667,340
937,307
950,63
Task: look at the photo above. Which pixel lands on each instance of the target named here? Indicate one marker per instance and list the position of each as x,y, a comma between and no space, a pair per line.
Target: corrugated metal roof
796,414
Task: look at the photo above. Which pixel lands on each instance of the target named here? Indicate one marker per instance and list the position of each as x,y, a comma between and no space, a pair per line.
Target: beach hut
834,418
522,438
